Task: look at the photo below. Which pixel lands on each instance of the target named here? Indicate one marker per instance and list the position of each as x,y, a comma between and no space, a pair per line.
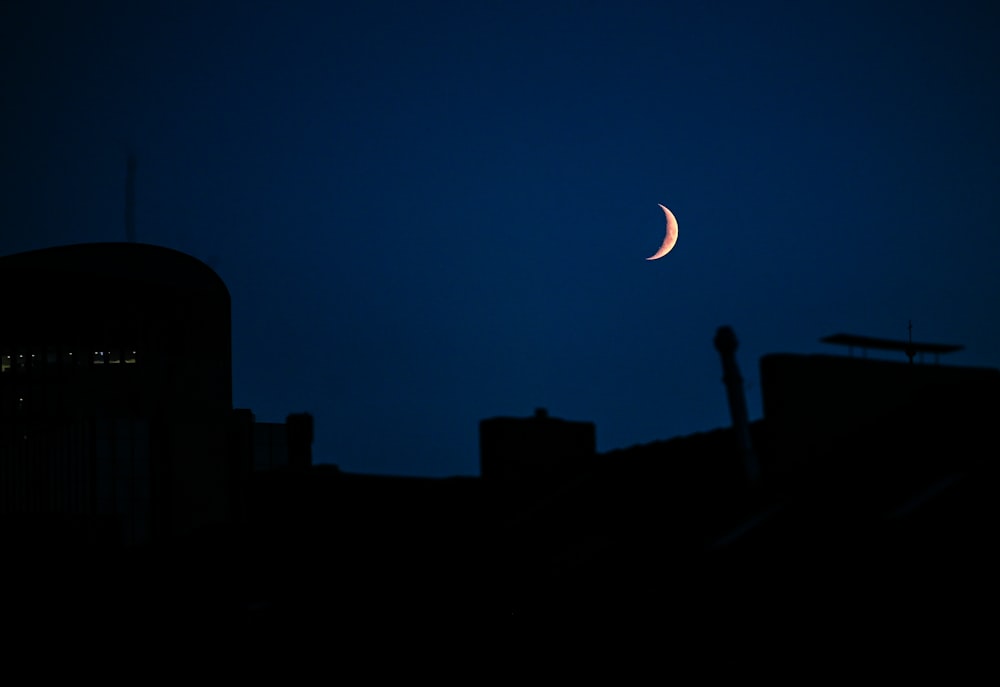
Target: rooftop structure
910,348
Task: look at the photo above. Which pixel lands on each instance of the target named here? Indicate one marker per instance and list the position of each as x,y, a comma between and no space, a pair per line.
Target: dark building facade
896,417
115,394
534,448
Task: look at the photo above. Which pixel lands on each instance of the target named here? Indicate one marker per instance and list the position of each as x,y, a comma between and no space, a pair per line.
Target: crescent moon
670,239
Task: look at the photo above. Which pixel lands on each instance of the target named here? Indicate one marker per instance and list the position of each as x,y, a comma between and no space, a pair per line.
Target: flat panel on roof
889,344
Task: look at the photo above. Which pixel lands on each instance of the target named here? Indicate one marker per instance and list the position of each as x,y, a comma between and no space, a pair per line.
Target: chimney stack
726,344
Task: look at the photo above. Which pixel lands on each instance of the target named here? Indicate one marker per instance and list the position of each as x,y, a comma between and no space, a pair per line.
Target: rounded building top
155,266
116,325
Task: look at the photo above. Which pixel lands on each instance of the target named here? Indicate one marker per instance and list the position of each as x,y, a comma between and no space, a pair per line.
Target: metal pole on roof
910,350
130,199
726,344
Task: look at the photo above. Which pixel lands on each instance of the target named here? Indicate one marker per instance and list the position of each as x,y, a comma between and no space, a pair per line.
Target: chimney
726,344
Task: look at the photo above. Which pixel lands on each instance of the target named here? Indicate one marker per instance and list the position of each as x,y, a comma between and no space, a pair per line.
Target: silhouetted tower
130,199
726,344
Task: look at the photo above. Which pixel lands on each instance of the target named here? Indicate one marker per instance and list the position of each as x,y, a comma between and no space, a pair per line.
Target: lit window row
20,361
113,357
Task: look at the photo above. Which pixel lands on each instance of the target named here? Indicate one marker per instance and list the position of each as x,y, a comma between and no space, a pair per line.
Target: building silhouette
535,449
117,423
903,422
867,483
875,499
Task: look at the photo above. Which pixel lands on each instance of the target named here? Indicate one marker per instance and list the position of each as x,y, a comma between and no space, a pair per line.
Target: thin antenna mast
910,349
130,199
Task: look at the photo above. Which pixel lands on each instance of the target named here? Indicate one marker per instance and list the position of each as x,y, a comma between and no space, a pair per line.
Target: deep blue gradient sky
432,213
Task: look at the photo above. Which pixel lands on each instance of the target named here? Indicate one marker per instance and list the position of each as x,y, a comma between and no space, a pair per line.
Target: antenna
910,349
130,199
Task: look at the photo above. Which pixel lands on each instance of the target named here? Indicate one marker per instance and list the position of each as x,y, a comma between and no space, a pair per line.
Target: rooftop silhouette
910,348
120,443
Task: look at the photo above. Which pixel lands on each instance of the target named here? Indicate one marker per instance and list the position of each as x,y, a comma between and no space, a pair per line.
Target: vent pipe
726,344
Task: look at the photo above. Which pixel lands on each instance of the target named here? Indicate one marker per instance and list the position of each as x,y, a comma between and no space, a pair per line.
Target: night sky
432,213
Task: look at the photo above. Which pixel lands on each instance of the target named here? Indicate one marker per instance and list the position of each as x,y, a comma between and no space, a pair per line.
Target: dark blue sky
432,213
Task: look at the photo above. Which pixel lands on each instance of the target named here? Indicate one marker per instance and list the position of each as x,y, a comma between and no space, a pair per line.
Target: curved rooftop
134,262
115,325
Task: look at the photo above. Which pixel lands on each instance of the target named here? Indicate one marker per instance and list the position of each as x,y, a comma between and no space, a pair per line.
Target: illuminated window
98,357
5,363
129,356
114,357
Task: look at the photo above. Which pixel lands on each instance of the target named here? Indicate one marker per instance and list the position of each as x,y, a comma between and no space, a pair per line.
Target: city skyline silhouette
438,215
866,483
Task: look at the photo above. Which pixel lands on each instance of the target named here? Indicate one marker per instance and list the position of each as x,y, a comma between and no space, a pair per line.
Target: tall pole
130,199
910,350
726,344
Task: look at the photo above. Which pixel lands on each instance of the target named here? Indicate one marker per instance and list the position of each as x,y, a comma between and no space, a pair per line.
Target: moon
670,239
